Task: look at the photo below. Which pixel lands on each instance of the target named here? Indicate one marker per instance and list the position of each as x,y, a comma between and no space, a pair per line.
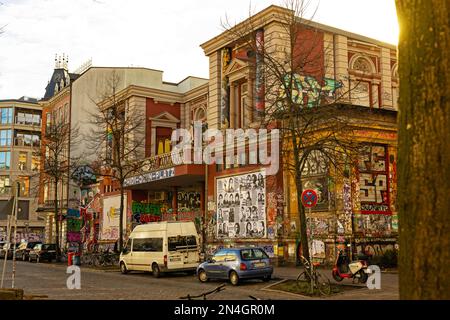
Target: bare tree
117,139
57,165
423,150
293,95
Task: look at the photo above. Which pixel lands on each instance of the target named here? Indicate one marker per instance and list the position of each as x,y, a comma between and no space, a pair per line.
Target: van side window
182,243
147,245
128,245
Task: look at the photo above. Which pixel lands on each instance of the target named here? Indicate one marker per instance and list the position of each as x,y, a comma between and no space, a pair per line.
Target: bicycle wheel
304,276
323,284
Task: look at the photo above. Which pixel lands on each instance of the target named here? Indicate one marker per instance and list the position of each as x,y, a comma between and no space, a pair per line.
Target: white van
161,247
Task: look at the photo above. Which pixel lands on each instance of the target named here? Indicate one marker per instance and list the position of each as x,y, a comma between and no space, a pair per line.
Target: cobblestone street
50,280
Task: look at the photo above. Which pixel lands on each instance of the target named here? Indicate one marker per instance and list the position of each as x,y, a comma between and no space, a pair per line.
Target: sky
163,35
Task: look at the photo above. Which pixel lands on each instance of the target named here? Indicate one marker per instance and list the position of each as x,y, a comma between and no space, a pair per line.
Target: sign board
149,177
309,198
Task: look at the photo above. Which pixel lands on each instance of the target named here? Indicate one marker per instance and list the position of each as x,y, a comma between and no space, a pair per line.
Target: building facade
357,208
20,137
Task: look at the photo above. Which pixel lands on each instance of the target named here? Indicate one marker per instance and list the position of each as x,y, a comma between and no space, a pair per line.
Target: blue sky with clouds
163,35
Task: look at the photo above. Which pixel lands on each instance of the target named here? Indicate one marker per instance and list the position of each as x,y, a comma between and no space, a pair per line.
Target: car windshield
32,244
37,247
253,254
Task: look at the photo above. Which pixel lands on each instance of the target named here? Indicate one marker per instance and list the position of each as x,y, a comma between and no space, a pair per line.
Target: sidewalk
389,284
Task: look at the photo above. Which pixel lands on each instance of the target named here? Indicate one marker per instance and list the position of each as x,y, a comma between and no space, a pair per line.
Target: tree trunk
301,211
424,153
121,218
57,216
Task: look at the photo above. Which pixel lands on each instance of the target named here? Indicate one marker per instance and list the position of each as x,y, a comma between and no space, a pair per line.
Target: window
49,119
35,163
182,243
5,159
230,256
22,160
220,256
6,115
253,254
5,137
24,186
147,245
28,139
5,185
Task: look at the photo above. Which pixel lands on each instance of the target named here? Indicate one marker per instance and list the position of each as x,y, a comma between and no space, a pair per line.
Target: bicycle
320,282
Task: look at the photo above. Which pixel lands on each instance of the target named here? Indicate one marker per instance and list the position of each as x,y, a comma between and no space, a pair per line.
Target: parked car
9,251
42,252
24,249
161,247
236,264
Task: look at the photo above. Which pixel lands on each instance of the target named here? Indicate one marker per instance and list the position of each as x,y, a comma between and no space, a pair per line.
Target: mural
188,201
109,229
373,179
373,225
225,90
308,90
241,209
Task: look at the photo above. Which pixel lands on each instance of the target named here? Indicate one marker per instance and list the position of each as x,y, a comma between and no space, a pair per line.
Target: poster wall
241,207
110,218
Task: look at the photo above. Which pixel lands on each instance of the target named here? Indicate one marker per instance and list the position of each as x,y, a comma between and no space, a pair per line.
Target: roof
23,99
60,79
272,13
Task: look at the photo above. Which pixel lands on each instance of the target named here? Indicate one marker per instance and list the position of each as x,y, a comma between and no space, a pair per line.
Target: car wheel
202,276
234,278
38,259
123,268
29,258
24,257
155,270
267,278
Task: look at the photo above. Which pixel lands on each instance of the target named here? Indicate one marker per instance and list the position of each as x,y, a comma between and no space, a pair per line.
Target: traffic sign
309,198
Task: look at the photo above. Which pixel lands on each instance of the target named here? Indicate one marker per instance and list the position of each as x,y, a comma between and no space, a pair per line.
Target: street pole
16,202
311,248
8,231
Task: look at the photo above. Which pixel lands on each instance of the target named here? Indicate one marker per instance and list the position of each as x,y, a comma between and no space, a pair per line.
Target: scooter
346,269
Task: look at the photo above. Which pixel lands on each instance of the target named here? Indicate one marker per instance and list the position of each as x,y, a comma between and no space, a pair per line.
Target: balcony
28,121
23,142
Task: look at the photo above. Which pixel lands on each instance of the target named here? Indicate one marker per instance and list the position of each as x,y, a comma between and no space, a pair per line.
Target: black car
9,252
24,250
42,252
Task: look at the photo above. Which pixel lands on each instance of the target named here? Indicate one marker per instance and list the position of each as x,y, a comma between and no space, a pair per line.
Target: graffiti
188,201
225,90
375,248
373,225
373,184
74,225
259,74
307,90
320,226
23,236
318,249
73,213
320,185
73,237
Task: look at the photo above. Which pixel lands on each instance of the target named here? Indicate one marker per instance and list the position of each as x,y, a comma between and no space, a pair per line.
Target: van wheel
202,276
155,270
123,268
234,278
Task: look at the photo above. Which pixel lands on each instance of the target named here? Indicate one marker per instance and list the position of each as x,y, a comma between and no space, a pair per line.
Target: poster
110,218
241,207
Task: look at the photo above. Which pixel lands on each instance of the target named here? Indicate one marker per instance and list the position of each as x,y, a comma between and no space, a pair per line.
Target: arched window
364,91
